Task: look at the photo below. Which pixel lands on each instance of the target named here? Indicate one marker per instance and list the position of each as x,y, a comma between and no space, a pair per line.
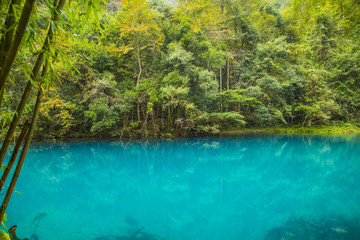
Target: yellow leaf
43,90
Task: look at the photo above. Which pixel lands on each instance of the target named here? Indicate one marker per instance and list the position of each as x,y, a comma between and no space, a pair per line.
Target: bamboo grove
31,49
145,68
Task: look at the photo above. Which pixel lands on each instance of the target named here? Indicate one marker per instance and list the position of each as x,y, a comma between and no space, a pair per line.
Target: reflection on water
213,188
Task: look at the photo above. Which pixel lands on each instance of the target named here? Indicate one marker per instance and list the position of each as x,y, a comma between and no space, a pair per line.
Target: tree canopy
149,68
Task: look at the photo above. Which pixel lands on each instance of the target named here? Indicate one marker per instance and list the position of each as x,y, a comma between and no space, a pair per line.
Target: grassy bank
294,130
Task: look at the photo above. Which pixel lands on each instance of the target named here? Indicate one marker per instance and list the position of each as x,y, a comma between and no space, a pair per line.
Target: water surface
206,188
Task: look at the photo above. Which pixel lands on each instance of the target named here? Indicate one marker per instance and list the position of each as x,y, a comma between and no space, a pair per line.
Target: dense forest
145,68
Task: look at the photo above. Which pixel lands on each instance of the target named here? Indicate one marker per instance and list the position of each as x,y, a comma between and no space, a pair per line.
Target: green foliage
3,234
56,117
224,120
178,56
149,67
261,115
100,115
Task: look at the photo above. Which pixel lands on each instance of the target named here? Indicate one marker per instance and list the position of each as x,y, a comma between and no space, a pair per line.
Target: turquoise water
206,188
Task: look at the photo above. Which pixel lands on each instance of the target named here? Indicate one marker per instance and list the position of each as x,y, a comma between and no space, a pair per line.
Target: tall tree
139,30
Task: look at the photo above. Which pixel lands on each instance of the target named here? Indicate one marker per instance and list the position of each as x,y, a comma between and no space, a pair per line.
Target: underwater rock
34,237
304,228
138,235
131,221
141,236
12,234
103,238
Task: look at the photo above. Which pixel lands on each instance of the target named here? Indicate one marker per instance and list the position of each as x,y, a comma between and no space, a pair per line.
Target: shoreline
223,133
293,130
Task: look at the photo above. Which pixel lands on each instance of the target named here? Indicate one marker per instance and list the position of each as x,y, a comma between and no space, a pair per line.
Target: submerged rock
138,235
304,228
141,236
131,221
34,237
12,234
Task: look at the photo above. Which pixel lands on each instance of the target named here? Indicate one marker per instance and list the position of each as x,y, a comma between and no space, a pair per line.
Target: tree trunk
342,10
220,83
22,156
14,154
145,121
228,75
15,44
220,80
139,62
138,110
28,89
169,114
234,80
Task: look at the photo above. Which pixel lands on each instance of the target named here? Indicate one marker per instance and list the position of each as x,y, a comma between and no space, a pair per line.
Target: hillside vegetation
150,68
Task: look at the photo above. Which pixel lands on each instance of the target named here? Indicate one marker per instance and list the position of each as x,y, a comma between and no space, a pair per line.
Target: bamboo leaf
4,236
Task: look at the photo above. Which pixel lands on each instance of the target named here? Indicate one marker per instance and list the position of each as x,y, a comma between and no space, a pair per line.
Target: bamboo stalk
14,154
15,43
28,89
1,97
9,33
22,156
15,121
